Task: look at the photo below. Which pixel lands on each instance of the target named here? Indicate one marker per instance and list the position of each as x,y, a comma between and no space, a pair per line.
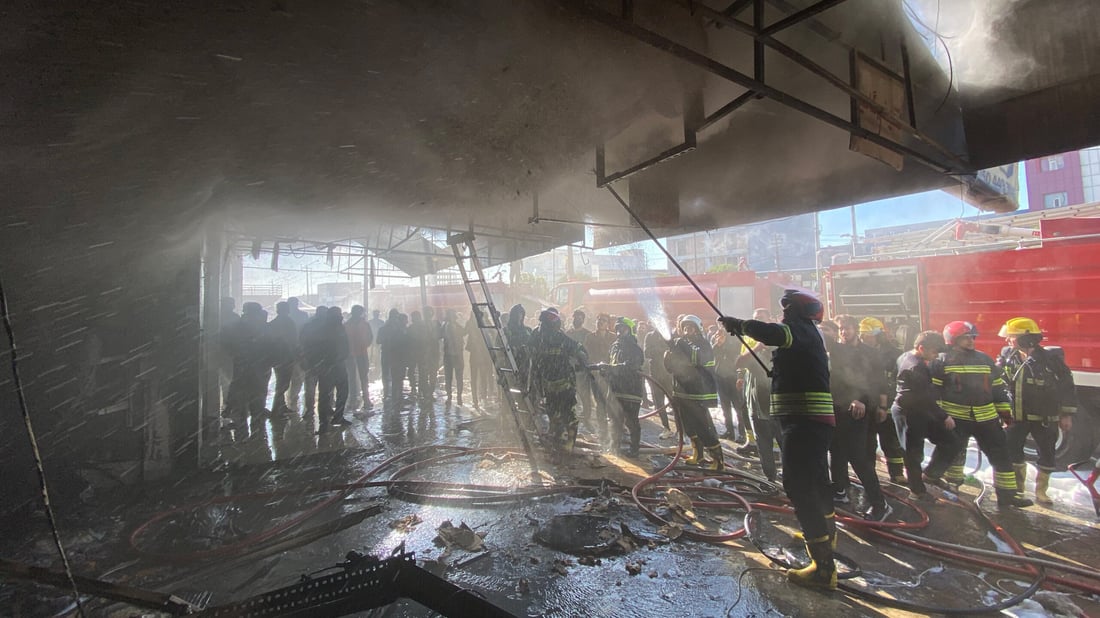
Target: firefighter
801,401
554,362
881,430
690,360
855,389
971,389
1043,397
627,385
918,417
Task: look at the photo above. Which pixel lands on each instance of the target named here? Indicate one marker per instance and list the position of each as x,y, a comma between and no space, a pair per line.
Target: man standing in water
802,403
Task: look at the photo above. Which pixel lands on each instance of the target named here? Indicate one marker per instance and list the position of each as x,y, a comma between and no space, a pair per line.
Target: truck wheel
1082,440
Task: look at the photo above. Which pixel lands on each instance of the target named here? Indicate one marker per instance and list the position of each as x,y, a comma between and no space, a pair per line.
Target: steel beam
709,64
800,16
727,109
732,10
958,165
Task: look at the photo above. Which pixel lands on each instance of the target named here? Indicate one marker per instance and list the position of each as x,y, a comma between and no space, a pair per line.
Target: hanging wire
21,394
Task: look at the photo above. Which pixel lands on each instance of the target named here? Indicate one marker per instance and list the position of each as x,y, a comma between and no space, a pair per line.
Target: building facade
1066,179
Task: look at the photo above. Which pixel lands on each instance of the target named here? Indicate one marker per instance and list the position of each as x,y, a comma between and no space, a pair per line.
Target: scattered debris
523,586
589,561
680,504
561,566
1058,603
470,560
634,568
462,536
406,523
672,531
579,533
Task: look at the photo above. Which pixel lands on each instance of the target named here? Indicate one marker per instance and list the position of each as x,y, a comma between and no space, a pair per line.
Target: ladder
504,361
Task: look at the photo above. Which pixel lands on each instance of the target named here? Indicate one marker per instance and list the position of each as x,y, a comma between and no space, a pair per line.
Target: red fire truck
1056,284
735,293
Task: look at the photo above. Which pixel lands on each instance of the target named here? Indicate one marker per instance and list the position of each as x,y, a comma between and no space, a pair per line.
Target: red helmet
958,328
803,305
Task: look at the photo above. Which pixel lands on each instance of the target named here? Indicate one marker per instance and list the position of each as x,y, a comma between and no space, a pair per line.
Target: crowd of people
828,393
841,390
335,357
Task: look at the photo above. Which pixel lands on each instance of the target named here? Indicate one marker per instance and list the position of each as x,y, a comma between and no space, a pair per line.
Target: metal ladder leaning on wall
504,362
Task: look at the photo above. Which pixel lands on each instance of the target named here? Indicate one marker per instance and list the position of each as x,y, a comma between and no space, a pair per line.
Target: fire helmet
628,323
694,319
803,305
958,328
1019,326
873,326
549,315
1025,330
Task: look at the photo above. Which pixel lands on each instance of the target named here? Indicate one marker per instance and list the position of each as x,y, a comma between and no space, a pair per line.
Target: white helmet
694,319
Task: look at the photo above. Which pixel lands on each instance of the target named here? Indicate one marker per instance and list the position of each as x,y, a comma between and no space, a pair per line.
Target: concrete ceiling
333,120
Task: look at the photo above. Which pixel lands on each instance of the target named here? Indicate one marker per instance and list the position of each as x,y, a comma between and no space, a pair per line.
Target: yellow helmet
871,325
1019,326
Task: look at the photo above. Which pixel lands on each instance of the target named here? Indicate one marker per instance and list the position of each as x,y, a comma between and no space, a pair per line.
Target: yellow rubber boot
714,453
830,523
821,573
1021,475
696,456
1042,483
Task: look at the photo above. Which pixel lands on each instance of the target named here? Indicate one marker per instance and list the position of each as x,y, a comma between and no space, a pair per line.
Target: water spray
683,272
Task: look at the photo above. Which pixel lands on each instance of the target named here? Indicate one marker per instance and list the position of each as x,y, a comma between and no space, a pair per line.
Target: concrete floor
281,470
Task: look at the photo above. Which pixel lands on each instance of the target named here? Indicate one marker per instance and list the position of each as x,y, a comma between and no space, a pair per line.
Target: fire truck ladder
504,362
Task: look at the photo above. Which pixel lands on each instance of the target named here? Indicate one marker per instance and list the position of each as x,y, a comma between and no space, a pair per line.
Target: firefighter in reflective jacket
690,360
555,359
1041,389
802,403
627,386
970,388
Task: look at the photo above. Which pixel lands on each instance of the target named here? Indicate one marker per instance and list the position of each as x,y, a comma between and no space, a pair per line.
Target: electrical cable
683,272
40,469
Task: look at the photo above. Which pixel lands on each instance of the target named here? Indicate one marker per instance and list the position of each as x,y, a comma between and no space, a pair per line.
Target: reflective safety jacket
690,360
626,366
800,368
555,359
1040,386
969,385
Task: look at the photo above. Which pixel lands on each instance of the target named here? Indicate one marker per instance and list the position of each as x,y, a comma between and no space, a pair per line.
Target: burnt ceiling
343,119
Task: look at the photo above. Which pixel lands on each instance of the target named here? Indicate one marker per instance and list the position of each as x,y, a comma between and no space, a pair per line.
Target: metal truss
931,154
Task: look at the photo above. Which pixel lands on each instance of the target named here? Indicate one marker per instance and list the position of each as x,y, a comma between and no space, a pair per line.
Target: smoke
967,38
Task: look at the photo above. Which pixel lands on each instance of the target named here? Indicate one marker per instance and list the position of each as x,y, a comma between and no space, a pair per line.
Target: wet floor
281,500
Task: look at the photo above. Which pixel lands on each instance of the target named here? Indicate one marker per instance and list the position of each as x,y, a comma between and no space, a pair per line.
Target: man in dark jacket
855,396
310,342
655,346
283,336
801,401
918,417
332,370
881,430
454,334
